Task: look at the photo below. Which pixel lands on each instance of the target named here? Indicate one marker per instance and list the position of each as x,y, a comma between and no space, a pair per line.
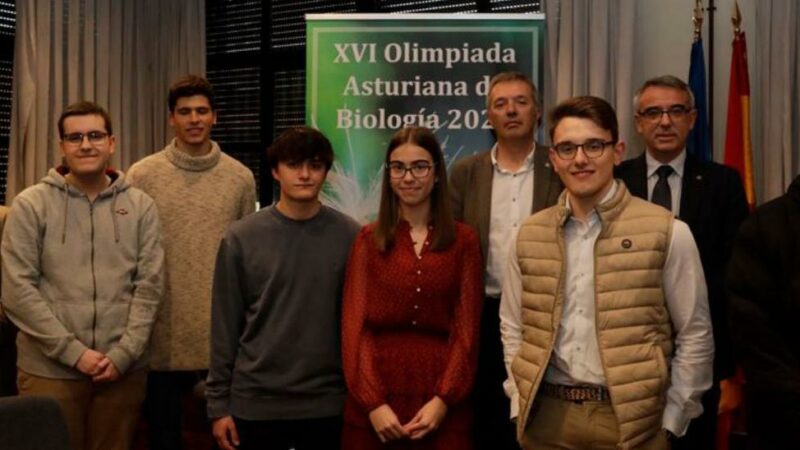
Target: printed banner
369,75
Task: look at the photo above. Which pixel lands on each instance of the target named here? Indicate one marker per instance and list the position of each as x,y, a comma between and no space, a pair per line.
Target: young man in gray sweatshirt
275,380
82,279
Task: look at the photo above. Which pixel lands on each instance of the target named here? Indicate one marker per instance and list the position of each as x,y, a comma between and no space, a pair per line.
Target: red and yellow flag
738,146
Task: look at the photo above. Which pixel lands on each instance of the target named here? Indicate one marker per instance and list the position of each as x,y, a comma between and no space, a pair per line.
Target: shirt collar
526,166
677,164
593,217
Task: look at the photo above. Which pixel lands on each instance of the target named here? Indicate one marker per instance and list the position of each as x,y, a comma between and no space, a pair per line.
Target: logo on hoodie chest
122,211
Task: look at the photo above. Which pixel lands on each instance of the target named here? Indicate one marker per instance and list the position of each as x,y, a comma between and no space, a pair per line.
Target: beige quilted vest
633,325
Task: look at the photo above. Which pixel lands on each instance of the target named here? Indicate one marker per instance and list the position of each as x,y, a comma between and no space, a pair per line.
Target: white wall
664,33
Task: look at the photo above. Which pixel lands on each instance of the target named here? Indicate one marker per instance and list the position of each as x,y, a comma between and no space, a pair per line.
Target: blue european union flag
698,143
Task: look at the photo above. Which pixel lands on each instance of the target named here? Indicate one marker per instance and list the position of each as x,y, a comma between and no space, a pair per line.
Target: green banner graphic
369,75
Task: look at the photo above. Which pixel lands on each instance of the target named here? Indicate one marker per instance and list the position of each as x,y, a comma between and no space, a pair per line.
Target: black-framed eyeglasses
675,113
417,169
95,137
593,148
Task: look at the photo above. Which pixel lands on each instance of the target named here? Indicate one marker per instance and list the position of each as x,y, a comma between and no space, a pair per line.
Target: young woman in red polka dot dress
411,311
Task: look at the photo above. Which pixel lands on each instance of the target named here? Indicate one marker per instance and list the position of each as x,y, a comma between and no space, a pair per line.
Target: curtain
776,97
121,54
590,51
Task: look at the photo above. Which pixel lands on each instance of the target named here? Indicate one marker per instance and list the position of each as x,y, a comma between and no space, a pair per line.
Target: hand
89,362
386,424
108,371
428,418
730,396
224,431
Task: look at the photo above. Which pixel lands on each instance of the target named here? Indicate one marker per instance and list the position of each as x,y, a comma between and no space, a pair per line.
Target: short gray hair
667,81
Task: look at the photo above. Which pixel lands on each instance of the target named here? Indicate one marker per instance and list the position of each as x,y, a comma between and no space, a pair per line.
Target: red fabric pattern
409,332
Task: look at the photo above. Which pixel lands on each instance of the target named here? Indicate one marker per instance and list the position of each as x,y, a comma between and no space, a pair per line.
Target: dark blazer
471,189
764,282
713,204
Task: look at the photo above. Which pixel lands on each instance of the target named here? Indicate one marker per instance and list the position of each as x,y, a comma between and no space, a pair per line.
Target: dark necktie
662,194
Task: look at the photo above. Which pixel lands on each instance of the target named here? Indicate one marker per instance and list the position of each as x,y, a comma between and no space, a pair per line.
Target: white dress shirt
512,201
576,356
675,179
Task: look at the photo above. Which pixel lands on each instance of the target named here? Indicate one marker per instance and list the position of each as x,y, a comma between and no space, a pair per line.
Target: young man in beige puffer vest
604,313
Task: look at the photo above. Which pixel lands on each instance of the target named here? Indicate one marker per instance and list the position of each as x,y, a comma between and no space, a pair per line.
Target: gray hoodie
80,274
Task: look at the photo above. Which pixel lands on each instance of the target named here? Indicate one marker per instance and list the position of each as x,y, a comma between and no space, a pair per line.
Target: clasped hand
427,419
97,366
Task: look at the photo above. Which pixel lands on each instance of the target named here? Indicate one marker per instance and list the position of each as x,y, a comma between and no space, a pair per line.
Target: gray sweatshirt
80,275
275,313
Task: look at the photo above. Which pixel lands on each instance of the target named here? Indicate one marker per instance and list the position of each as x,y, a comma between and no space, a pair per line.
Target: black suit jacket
713,204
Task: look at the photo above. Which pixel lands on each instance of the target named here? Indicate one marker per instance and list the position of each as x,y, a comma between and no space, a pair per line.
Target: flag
698,143
738,147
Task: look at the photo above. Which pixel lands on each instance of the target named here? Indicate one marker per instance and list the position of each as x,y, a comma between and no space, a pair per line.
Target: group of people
536,297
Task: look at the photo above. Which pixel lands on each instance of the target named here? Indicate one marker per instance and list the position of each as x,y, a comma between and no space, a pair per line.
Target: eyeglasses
675,113
418,170
95,137
593,148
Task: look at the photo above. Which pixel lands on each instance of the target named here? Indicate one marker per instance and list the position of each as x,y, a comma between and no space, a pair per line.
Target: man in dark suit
764,284
494,191
709,197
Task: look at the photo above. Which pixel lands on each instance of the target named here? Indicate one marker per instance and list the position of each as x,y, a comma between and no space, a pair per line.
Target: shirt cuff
675,420
514,406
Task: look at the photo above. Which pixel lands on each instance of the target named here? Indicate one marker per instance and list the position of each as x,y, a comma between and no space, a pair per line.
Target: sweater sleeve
147,292
459,374
358,347
22,301
227,323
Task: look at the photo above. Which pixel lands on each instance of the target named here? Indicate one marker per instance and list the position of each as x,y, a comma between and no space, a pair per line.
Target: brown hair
595,109
444,226
300,144
84,108
188,86
505,77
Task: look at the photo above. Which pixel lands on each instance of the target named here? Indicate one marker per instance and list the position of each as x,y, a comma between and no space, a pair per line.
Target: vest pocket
663,368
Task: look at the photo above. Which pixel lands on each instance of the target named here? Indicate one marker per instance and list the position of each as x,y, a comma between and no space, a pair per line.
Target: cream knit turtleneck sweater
197,198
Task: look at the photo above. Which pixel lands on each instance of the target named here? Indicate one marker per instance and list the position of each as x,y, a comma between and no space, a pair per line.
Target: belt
575,393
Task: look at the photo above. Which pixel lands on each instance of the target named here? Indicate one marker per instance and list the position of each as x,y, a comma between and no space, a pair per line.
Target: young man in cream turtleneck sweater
199,191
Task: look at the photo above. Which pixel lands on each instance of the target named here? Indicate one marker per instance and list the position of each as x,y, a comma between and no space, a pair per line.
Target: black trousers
298,434
163,406
493,429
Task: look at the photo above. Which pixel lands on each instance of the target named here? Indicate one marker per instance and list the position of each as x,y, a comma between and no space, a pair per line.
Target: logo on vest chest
626,244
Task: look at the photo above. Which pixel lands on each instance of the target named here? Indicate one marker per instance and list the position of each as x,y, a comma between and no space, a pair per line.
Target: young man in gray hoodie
82,279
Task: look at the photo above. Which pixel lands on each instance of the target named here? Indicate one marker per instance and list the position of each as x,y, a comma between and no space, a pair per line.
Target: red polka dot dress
409,332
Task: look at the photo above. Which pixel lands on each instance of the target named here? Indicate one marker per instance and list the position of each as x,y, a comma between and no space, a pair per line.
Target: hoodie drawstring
114,215
66,210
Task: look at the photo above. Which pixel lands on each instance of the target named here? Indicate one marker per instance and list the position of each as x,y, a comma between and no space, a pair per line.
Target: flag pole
697,20
699,143
711,9
736,19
